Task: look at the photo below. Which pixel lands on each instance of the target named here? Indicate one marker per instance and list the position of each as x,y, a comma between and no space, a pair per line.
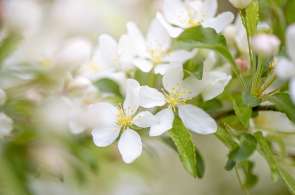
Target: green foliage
182,139
7,46
207,38
252,17
194,67
108,86
284,104
242,111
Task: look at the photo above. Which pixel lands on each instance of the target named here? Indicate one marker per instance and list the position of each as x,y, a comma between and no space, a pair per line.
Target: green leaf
242,111
185,147
226,138
7,46
200,164
283,103
108,86
252,17
207,38
246,148
194,67
289,12
250,178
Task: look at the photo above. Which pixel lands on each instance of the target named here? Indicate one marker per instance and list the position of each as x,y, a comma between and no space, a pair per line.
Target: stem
240,181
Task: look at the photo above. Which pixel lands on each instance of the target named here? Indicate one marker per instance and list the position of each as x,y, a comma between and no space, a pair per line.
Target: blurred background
55,162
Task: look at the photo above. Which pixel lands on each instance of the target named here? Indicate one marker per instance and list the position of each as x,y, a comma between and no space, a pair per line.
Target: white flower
178,15
176,94
285,68
22,16
6,125
265,44
74,52
109,57
2,97
153,52
113,120
240,4
214,79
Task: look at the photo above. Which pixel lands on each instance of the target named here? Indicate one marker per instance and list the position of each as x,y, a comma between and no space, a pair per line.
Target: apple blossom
175,95
265,44
154,52
285,68
178,15
113,120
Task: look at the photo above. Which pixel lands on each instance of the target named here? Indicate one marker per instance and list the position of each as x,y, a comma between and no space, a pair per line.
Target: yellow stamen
157,56
123,120
176,97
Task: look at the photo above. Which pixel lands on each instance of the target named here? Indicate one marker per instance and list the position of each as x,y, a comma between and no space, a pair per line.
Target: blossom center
192,22
175,97
157,56
123,120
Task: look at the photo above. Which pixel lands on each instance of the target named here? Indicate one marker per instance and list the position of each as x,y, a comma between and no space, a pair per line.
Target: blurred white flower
6,125
2,97
265,44
236,37
113,120
109,58
74,52
177,92
240,4
177,15
22,16
153,52
285,68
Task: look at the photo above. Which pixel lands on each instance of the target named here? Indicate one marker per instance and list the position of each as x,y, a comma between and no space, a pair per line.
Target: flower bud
240,4
265,44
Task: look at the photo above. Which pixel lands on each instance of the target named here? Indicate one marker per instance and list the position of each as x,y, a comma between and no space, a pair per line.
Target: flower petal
173,78
108,48
215,82
144,119
220,22
157,37
164,122
131,102
172,31
130,146
105,136
291,42
175,12
6,125
150,97
179,56
196,119
137,39
285,69
106,114
292,89
143,64
192,87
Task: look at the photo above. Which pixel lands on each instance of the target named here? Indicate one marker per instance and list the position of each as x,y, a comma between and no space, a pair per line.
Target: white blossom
285,68
265,44
113,120
153,52
175,95
178,15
